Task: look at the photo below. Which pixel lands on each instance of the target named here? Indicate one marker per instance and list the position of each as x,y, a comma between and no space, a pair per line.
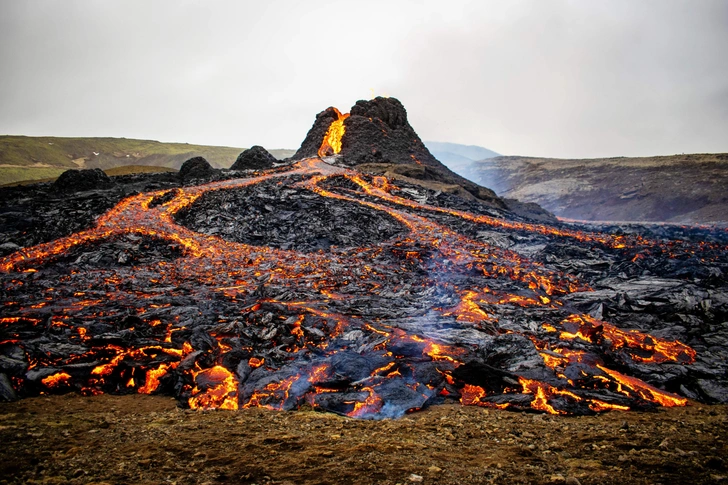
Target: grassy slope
129,169
25,158
33,175
14,175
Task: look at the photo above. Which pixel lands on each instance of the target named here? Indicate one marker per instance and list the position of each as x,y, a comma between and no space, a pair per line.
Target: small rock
78,180
415,478
9,247
7,393
572,481
434,469
255,158
196,167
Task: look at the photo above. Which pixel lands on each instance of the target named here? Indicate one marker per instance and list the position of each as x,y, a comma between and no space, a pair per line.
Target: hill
32,158
677,188
460,159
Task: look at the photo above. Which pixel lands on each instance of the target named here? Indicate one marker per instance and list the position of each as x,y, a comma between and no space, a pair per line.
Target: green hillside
32,158
31,175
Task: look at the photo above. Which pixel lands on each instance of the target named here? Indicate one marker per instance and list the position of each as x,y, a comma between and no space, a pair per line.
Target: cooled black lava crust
286,217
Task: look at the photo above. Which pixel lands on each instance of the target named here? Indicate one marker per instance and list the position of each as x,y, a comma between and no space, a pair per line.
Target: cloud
581,79
551,78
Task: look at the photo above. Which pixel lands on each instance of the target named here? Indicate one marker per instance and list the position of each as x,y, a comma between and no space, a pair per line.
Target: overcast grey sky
542,78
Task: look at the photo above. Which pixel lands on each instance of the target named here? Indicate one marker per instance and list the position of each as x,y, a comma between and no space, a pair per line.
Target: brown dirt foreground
147,439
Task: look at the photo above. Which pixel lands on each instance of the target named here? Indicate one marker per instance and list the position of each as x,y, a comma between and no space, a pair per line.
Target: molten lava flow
541,393
643,390
372,404
468,309
331,145
153,376
56,380
219,390
301,331
471,395
655,350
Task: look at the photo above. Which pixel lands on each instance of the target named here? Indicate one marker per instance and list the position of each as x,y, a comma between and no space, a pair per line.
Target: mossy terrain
35,158
16,175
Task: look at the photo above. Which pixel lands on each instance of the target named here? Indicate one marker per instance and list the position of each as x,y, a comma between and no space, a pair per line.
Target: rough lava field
320,284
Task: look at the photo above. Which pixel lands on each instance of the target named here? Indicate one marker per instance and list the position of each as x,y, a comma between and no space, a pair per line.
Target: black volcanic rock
254,158
7,393
196,167
294,219
390,111
378,131
79,180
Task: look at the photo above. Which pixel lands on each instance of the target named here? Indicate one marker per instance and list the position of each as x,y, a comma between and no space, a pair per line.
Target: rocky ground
148,439
678,188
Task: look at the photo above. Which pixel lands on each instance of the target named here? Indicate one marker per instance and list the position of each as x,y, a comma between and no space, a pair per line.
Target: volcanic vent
376,137
314,283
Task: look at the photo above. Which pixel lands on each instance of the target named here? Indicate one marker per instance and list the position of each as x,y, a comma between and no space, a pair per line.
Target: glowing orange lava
331,144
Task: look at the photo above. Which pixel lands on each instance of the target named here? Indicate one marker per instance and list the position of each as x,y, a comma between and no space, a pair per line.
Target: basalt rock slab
7,393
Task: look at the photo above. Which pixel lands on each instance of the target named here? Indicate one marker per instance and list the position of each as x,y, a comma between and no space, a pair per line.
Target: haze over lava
370,283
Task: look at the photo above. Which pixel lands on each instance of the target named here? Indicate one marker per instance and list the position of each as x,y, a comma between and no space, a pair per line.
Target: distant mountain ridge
472,152
678,188
461,159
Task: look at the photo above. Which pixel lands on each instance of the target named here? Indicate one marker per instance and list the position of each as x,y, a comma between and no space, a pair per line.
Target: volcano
360,277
